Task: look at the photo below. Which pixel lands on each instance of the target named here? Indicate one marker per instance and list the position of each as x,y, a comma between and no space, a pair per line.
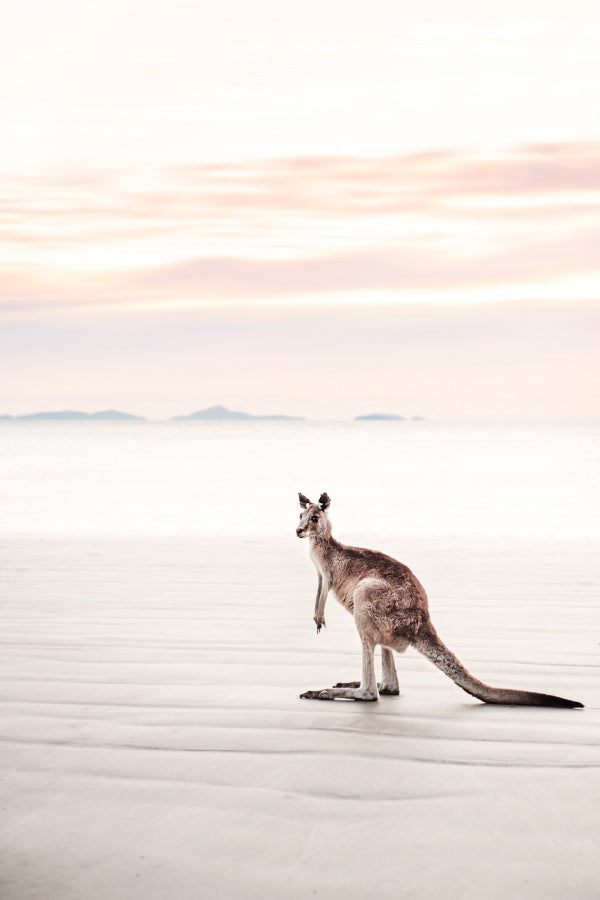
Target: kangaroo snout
299,532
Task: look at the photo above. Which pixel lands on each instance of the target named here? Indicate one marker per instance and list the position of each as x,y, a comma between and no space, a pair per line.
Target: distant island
72,415
377,416
222,413
372,417
213,413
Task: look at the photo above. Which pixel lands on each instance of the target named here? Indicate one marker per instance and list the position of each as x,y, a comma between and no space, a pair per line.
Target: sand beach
154,745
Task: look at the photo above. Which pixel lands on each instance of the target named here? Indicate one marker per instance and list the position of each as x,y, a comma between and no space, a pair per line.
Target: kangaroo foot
387,690
340,693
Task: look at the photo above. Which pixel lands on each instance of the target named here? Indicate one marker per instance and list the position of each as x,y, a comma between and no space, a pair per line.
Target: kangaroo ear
304,501
324,501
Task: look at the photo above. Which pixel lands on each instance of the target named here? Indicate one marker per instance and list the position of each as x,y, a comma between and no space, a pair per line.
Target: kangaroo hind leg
366,690
389,678
389,681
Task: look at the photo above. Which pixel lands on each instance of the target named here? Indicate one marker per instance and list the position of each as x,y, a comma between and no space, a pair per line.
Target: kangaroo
390,609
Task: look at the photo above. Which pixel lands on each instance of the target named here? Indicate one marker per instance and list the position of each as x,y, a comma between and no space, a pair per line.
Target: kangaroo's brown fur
390,609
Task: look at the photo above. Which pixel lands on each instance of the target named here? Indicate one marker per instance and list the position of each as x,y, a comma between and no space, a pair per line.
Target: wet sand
153,744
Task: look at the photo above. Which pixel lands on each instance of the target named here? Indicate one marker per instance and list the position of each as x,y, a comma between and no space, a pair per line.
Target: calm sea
210,478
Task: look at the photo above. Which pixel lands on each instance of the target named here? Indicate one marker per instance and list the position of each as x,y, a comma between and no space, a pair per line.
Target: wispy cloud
387,269
290,227
321,186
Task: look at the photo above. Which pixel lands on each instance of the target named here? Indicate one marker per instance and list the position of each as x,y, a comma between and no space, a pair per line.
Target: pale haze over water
395,478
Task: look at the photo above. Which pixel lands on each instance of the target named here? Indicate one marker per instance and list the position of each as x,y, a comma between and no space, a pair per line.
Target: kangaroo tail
433,648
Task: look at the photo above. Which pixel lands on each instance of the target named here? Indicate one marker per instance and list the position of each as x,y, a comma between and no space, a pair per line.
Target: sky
324,209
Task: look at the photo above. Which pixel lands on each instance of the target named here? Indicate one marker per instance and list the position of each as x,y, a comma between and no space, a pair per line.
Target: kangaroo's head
314,521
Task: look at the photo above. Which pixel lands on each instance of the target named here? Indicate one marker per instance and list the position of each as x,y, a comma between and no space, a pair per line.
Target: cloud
210,279
317,186
387,269
446,219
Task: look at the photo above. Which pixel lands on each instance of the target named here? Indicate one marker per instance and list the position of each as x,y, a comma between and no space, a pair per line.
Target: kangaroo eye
314,518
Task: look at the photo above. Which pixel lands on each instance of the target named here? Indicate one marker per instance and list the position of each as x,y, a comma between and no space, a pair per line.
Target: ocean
241,478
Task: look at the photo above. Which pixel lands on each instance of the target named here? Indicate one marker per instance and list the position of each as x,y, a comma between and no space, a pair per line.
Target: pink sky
180,187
